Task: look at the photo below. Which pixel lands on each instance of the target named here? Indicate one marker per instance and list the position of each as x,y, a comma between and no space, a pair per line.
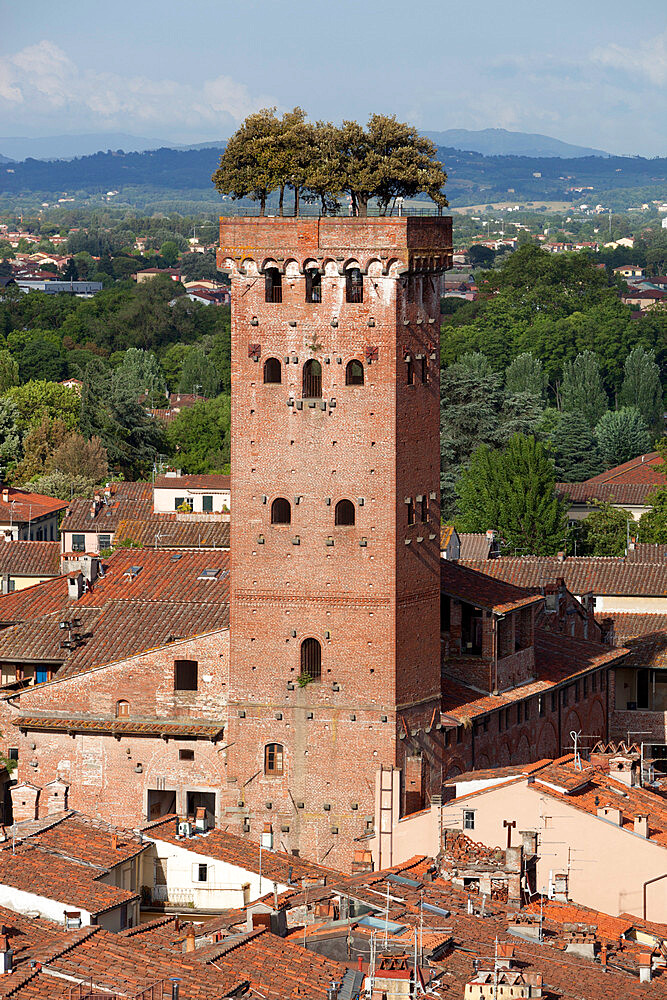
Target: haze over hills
501,142
66,147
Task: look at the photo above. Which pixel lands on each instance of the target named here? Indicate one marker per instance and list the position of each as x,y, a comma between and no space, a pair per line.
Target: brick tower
335,549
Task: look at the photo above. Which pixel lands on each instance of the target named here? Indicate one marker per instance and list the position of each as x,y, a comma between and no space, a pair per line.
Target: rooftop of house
22,506
77,837
558,658
601,575
495,773
24,558
631,625
643,469
647,552
622,494
211,481
477,545
52,876
120,500
174,531
467,584
276,866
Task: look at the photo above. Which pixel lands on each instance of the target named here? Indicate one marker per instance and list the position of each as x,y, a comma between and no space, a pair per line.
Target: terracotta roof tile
475,545
212,481
42,721
124,499
81,838
582,574
480,589
614,493
166,531
24,558
643,469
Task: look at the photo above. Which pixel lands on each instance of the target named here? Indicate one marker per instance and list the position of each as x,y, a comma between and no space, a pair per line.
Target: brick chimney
57,792
611,813
645,963
25,798
190,944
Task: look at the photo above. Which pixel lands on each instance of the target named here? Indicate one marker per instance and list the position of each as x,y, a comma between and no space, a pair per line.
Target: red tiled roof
643,469
24,506
630,625
24,558
126,500
81,838
603,575
608,927
647,552
510,771
164,531
204,482
28,869
615,493
474,545
224,846
480,590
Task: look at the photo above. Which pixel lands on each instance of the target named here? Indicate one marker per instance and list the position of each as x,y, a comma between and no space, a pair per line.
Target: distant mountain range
500,142
489,141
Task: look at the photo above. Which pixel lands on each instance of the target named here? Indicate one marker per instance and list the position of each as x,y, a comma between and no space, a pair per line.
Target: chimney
6,956
560,557
75,586
190,938
175,989
267,836
603,954
645,967
56,792
612,814
641,826
5,495
528,841
114,841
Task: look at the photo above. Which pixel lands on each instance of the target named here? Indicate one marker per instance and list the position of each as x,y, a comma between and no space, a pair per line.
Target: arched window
354,285
273,370
281,511
344,513
122,709
311,659
273,285
312,379
313,285
273,759
354,373
424,508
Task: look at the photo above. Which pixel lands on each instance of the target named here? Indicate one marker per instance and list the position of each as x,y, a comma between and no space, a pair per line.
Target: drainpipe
650,881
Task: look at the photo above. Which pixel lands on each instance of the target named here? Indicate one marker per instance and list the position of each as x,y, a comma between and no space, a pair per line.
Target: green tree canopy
526,374
39,398
622,435
11,434
575,449
512,490
642,388
9,370
582,390
198,438
603,532
653,523
199,374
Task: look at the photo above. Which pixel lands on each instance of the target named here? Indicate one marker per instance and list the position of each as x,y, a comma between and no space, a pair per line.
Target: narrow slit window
411,511
311,659
409,371
354,285
424,509
354,373
273,371
424,370
313,285
273,285
312,379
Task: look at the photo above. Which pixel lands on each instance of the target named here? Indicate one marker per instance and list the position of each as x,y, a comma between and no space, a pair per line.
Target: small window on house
313,285
273,371
540,706
122,709
424,508
183,504
468,819
273,759
424,370
186,755
411,511
312,379
13,753
202,873
78,543
354,373
281,511
354,285
185,675
207,504
409,371
273,285
11,586
311,659
345,513
103,543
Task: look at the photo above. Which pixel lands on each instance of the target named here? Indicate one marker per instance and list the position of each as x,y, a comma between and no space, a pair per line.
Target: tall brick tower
335,549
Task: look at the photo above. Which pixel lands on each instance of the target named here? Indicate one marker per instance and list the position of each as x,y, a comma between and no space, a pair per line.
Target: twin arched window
311,659
273,371
281,511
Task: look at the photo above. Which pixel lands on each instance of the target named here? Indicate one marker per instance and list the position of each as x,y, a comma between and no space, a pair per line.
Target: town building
626,487
24,563
29,516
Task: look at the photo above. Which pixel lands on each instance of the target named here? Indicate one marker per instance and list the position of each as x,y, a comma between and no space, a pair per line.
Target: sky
592,73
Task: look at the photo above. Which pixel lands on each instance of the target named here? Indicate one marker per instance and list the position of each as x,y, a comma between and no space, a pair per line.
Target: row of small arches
344,512
273,285
312,375
292,268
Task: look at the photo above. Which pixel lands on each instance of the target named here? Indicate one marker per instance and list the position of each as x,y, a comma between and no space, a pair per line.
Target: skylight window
208,574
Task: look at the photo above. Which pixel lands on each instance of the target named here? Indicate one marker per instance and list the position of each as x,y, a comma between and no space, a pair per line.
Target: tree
9,371
171,363
522,413
653,523
11,434
39,444
133,438
575,449
39,398
63,485
622,435
582,390
169,252
512,490
82,457
603,532
140,373
481,256
195,266
198,438
642,388
526,374
247,167
198,374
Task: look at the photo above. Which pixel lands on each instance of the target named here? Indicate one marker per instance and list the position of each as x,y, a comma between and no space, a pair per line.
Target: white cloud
42,77
647,58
